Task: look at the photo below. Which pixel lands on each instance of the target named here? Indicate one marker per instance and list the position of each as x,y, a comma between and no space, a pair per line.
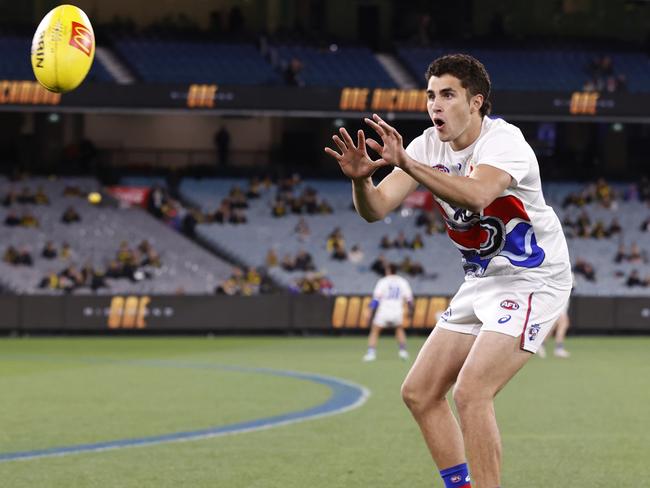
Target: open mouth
438,122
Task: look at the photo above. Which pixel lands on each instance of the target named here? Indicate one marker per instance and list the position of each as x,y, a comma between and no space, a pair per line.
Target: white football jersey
517,232
391,292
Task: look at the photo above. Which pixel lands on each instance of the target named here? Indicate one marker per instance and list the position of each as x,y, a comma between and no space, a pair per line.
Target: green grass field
583,422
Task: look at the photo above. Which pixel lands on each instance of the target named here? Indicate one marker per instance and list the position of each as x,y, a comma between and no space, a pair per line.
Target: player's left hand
393,149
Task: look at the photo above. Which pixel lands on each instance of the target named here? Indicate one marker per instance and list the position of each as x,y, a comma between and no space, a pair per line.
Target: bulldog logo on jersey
533,331
503,229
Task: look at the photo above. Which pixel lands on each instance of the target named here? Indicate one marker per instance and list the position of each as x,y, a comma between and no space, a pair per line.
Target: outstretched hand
353,159
392,150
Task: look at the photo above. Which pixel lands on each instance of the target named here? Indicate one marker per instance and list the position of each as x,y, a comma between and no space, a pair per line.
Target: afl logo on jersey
510,305
441,167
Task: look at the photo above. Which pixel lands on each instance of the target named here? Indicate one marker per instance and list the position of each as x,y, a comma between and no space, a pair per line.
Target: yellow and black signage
584,103
26,93
128,312
383,100
352,312
201,96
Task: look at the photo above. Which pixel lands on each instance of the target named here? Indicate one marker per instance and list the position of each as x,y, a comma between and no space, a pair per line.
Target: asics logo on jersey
504,319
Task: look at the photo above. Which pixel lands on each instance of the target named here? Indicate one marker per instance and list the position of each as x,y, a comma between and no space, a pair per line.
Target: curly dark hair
471,73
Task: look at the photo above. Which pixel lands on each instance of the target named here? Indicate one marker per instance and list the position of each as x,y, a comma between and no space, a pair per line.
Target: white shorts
388,319
511,305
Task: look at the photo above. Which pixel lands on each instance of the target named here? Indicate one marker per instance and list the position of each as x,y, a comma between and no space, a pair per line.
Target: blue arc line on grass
345,396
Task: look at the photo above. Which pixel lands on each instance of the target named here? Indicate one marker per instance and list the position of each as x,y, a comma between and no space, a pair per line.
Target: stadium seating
340,67
536,69
185,266
168,61
250,242
15,61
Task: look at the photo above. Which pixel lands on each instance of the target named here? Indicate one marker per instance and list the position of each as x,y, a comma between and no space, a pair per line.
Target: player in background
387,308
559,331
485,180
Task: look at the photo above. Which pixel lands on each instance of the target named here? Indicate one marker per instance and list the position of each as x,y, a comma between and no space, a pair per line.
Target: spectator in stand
66,251
302,229
614,227
338,252
412,268
385,243
238,198
400,241
10,198
417,242
288,263
356,254
26,196
114,270
12,219
634,279
156,200
97,280
271,260
11,255
70,216
254,188
584,224
604,194
644,189
25,257
424,219
379,265
292,72
304,261
296,205
585,269
124,253
599,231
227,287
72,191
41,198
50,281
49,250
621,254
144,247
28,220
335,239
86,273
310,201
324,208
238,217
73,276
152,258
222,214
636,255
645,225
279,208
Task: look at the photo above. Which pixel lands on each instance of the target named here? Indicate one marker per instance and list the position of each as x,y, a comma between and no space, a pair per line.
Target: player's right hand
353,159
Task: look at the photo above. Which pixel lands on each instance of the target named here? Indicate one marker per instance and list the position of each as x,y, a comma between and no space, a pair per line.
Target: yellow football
63,49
